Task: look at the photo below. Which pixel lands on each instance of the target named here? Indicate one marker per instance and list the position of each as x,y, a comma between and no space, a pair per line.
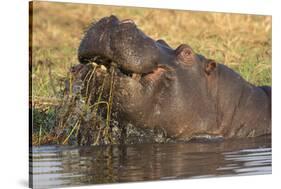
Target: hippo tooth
136,76
103,67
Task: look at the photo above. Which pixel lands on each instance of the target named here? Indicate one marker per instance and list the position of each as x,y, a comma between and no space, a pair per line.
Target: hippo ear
185,54
210,66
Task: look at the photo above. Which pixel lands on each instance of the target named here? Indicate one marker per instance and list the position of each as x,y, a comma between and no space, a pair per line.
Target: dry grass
243,42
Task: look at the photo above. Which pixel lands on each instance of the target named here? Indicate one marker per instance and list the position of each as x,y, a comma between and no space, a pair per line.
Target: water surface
58,166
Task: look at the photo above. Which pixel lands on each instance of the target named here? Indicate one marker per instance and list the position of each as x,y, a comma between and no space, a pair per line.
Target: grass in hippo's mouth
92,119
79,120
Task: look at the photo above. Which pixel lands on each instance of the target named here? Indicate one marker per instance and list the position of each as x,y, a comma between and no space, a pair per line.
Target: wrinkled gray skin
178,90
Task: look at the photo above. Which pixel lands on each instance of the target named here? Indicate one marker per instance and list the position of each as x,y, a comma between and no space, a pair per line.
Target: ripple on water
55,166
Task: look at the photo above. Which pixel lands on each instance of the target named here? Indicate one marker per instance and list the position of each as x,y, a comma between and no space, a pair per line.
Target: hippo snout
110,40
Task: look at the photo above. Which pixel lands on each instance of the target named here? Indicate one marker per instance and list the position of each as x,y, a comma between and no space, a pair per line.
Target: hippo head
156,85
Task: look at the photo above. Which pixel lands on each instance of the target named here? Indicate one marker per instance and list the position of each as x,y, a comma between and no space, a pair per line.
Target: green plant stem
67,138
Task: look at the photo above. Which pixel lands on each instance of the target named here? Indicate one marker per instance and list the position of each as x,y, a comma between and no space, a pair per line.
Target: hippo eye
185,54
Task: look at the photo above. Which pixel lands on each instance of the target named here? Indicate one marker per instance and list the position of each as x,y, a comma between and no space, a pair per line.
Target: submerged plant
92,119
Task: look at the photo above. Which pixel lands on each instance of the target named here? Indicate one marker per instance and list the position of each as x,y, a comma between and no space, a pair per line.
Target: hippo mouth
151,75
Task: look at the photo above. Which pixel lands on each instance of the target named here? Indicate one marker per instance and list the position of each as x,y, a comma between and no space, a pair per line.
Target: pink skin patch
156,74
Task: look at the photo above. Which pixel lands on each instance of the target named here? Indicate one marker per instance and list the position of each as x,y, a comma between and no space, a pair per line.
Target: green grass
242,42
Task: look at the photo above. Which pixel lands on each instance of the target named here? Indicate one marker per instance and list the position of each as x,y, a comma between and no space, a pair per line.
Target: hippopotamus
178,90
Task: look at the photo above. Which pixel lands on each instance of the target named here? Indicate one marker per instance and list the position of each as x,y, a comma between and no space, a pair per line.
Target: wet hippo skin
178,90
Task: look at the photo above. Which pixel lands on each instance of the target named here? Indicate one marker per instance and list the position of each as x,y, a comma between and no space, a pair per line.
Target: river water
59,166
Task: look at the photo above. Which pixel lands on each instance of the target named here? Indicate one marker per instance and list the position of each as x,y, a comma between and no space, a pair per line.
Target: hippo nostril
127,21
